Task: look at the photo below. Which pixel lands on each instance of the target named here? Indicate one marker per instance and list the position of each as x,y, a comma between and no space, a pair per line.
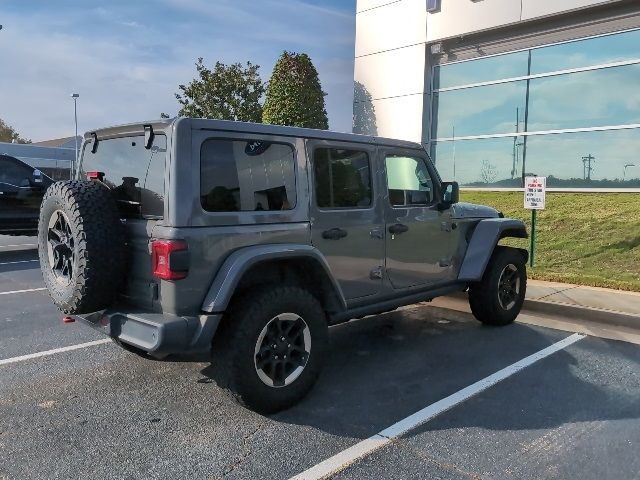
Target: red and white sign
535,190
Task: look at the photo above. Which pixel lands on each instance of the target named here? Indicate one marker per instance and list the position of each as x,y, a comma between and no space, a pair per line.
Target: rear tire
245,362
498,298
81,246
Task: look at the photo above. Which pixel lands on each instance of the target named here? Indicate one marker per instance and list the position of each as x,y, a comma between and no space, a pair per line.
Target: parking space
102,410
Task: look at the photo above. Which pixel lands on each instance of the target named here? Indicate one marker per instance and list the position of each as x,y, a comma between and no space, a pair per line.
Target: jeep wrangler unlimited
248,241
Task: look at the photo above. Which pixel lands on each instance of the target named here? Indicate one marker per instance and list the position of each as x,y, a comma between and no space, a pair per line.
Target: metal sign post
535,192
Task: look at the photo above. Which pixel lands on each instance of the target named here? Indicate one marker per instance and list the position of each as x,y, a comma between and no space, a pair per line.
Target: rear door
346,214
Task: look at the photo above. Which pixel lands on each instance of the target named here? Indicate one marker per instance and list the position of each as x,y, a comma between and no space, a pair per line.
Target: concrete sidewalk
586,297
579,305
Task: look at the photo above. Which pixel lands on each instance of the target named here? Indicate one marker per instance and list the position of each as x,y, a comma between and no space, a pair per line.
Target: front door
420,239
346,215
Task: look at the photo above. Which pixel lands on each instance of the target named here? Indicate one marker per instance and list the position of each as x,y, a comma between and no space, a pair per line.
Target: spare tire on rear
81,246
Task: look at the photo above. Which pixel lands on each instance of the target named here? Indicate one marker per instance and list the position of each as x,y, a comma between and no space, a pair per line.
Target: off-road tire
233,348
98,244
483,296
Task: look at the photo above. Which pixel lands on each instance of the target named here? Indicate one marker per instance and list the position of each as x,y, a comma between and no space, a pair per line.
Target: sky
126,58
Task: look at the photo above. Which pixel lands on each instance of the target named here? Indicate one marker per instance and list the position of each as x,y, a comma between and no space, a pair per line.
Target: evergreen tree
294,95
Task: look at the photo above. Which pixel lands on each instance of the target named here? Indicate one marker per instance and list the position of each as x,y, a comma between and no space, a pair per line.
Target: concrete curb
580,312
576,312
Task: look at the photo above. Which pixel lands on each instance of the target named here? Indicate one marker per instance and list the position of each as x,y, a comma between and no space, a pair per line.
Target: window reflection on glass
480,110
492,162
483,70
408,181
240,175
604,159
587,99
585,53
342,178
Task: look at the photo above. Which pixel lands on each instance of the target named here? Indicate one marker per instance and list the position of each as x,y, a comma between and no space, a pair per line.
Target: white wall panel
368,4
391,26
399,117
458,17
389,74
538,8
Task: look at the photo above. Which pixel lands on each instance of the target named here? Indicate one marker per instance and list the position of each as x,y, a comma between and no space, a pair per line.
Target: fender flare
483,242
239,262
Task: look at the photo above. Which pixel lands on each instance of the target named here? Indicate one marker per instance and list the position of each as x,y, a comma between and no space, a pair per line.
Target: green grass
582,238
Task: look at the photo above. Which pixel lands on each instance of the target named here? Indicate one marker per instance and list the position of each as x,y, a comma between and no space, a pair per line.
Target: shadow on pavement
18,260
383,369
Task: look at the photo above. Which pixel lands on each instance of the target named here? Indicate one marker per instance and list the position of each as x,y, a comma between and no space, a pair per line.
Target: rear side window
342,178
247,175
135,174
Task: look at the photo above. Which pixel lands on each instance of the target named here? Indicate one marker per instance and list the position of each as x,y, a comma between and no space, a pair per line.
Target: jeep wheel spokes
509,287
61,247
282,350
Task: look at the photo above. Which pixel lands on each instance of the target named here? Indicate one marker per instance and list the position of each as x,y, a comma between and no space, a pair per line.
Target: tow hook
68,319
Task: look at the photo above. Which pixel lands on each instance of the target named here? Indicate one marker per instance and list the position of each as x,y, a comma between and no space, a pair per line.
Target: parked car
21,190
248,241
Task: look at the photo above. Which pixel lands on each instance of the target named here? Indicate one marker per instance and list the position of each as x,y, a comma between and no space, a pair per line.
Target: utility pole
587,168
74,164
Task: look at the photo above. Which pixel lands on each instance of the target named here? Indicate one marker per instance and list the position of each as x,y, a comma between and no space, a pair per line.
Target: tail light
95,176
169,259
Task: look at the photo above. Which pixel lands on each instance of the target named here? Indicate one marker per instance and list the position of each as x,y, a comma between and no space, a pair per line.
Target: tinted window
14,173
585,53
408,181
241,175
484,70
135,174
342,178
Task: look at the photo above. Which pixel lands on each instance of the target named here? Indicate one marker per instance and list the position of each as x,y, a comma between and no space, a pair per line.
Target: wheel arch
286,263
483,242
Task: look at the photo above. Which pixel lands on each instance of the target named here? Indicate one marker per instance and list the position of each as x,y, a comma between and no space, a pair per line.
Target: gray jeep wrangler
187,236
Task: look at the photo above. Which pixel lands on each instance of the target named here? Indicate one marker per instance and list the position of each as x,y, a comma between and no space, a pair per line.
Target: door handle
334,234
398,228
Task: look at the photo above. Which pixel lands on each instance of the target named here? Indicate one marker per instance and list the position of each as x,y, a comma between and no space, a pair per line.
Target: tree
294,95
488,172
228,92
364,112
8,134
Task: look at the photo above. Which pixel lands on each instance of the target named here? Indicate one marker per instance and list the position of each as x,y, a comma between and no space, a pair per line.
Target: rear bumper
156,333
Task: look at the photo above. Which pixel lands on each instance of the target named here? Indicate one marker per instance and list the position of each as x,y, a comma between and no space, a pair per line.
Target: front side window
342,178
409,181
14,174
246,175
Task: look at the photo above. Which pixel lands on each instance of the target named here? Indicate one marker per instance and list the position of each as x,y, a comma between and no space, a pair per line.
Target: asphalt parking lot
101,412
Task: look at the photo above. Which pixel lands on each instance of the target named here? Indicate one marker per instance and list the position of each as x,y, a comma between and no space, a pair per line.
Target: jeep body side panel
240,261
485,237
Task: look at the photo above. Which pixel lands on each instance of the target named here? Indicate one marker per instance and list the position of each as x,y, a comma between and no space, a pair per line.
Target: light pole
624,175
75,116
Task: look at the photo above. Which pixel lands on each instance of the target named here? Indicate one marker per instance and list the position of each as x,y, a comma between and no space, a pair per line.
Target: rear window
247,175
135,174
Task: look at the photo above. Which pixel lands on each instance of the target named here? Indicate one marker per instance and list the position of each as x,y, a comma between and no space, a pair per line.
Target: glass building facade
568,111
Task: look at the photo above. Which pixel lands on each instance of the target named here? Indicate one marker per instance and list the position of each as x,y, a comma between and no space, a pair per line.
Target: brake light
95,176
169,259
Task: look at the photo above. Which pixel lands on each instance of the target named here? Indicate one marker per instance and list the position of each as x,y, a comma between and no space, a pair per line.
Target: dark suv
21,190
248,241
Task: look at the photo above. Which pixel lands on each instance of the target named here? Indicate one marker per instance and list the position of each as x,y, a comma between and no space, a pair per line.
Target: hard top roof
258,128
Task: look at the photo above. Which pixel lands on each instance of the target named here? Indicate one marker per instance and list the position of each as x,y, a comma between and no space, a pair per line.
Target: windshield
135,174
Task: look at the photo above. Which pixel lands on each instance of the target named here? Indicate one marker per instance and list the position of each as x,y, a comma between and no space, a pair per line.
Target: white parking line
360,450
46,353
20,245
23,291
18,261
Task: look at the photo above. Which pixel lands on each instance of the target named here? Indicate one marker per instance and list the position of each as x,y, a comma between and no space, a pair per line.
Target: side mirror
450,194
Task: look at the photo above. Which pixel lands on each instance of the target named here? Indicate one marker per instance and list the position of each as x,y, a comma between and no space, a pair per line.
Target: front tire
269,348
498,298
